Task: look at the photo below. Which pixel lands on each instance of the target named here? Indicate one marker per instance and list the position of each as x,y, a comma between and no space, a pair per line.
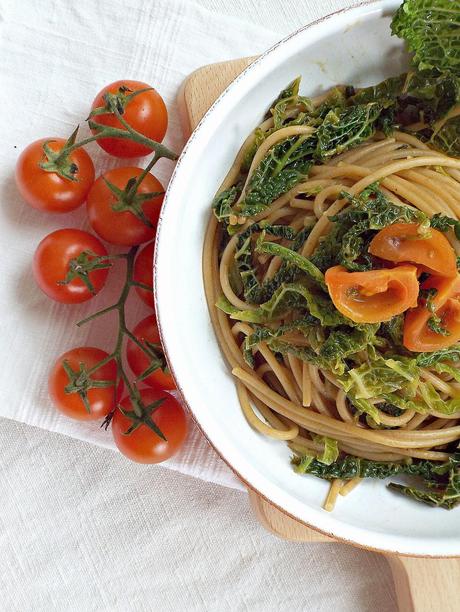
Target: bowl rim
407,546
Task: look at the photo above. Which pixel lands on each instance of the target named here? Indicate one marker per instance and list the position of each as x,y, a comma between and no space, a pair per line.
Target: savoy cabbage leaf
381,377
292,257
441,480
354,227
431,29
288,297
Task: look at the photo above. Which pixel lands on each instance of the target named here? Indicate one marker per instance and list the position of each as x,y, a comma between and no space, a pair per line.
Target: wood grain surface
422,584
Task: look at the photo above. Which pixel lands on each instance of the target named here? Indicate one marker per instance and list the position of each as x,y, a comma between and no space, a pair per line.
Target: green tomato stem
140,414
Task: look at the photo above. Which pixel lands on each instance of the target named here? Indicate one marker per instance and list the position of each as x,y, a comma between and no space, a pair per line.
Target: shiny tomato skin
402,243
123,227
101,400
143,273
417,336
147,329
51,264
146,113
143,445
47,191
375,295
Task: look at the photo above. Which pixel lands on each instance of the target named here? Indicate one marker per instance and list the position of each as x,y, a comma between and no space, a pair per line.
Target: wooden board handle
282,525
426,585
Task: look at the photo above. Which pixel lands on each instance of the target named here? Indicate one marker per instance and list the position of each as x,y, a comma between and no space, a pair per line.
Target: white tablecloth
81,528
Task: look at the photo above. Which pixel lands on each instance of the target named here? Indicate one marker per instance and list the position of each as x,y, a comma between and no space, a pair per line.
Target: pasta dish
332,273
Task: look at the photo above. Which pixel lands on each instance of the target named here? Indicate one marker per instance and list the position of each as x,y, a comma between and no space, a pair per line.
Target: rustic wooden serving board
422,584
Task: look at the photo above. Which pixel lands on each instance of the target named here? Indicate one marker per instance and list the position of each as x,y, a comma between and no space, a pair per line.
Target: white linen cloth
81,528
53,64
55,58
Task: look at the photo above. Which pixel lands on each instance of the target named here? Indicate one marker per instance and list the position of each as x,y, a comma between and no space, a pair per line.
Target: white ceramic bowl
351,46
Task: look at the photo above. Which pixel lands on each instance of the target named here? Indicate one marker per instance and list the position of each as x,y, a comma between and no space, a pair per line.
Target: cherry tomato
143,273
145,112
374,296
101,400
53,259
47,190
418,337
143,444
401,242
147,329
111,214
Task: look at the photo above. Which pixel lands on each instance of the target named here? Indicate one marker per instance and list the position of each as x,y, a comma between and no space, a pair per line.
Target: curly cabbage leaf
344,128
285,165
288,297
289,161
287,99
442,483
297,260
330,451
441,480
427,360
347,242
384,92
254,291
223,202
445,368
380,377
447,138
443,223
431,29
392,330
341,344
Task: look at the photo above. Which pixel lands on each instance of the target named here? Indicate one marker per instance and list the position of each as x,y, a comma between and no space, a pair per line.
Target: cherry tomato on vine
49,190
146,331
120,216
143,444
100,400
143,273
145,112
65,266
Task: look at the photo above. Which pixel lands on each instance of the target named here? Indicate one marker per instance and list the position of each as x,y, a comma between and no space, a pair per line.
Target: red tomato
101,400
52,263
48,191
143,273
110,214
373,296
143,444
147,329
146,113
401,242
418,337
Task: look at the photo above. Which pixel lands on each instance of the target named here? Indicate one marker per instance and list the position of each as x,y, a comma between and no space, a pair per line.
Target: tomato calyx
141,414
80,380
117,100
128,199
81,267
154,353
59,162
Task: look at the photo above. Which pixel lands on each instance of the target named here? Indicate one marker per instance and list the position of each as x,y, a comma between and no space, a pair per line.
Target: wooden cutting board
422,584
